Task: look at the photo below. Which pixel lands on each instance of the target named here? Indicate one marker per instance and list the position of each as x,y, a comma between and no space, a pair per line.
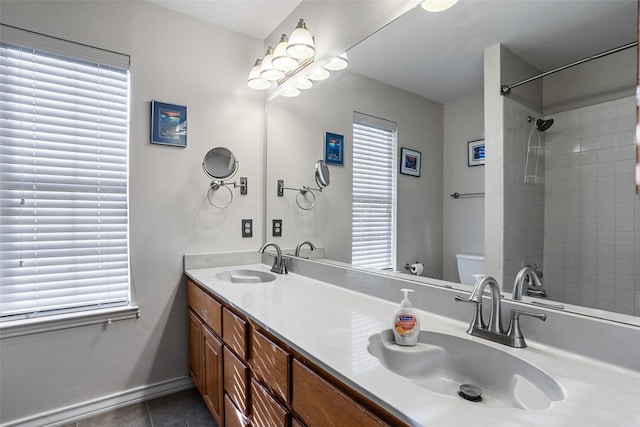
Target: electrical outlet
277,228
247,228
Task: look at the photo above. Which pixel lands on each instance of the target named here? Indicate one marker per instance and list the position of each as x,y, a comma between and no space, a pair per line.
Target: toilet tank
468,265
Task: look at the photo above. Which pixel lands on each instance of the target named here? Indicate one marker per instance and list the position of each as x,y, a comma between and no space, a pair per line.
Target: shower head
541,125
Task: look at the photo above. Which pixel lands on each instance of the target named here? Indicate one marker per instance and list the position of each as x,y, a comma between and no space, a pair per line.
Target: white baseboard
93,407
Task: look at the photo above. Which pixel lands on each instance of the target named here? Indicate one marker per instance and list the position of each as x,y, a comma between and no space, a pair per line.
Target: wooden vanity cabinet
247,377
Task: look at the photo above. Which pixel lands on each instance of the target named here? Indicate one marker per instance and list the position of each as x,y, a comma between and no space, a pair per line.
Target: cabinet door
319,403
270,365
236,381
265,409
234,333
196,356
213,376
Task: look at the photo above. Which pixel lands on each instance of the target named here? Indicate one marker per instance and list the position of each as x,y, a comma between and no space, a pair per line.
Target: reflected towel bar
463,195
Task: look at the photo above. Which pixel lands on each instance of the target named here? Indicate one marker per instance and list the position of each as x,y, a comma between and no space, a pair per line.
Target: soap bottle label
405,323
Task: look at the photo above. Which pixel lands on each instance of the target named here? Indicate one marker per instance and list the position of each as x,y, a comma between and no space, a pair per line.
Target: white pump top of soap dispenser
406,302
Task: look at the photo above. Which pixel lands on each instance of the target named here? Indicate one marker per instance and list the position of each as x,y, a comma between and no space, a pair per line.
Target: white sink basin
245,276
441,363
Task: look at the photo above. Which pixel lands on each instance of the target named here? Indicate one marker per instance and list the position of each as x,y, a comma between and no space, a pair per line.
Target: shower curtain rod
506,89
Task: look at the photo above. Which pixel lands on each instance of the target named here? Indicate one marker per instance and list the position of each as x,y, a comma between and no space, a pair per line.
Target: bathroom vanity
272,349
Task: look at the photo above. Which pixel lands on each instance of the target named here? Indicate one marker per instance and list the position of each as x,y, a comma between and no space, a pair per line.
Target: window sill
14,328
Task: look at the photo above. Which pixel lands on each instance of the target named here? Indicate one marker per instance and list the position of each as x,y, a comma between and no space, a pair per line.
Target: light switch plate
247,228
277,228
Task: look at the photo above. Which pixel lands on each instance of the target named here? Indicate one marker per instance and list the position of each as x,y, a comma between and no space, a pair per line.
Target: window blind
63,182
373,198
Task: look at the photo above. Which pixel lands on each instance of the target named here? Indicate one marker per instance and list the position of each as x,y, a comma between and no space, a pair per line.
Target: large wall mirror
577,219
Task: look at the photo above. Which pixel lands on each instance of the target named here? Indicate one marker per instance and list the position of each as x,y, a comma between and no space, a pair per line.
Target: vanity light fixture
289,57
301,44
338,63
437,5
255,81
267,71
281,60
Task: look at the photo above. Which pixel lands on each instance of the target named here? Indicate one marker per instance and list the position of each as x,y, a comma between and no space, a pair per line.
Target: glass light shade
255,81
291,92
437,5
301,43
338,63
281,60
304,84
267,71
320,74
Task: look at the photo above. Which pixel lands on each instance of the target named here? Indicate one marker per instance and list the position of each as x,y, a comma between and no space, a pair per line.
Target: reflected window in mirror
373,194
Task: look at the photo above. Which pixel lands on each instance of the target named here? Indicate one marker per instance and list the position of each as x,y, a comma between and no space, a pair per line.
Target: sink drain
470,392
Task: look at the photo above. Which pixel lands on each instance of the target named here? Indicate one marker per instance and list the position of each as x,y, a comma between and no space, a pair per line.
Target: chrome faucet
534,282
493,331
279,265
301,244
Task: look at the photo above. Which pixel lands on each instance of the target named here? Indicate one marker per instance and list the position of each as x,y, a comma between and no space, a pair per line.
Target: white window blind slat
64,135
373,193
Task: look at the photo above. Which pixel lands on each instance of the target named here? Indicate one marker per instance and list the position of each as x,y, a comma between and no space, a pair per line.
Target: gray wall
175,59
464,217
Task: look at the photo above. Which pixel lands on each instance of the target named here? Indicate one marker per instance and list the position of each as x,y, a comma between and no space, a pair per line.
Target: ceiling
256,18
440,55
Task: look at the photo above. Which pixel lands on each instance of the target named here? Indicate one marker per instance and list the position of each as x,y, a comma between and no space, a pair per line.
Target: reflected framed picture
410,162
168,124
475,153
334,149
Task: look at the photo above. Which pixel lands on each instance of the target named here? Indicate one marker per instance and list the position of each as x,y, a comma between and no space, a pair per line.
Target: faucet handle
515,333
477,321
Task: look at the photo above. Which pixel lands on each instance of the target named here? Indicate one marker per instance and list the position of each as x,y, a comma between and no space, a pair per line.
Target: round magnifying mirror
220,163
322,174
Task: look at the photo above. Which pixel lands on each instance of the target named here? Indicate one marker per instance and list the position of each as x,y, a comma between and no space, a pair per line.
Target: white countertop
332,326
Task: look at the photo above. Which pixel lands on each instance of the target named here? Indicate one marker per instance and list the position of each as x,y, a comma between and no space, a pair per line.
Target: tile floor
181,409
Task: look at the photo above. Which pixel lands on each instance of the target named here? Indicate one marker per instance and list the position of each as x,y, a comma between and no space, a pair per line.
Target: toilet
468,265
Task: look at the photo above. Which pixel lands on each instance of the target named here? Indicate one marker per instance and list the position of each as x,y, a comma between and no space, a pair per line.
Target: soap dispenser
406,322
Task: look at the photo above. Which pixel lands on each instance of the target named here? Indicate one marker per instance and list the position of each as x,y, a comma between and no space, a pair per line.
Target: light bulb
281,60
338,63
320,74
291,92
267,71
304,84
437,5
255,81
301,43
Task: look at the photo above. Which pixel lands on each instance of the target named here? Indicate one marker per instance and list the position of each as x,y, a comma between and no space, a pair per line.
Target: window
64,130
373,202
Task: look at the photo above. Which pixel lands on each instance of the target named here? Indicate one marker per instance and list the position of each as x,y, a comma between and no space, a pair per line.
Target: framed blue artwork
475,156
168,124
333,148
410,162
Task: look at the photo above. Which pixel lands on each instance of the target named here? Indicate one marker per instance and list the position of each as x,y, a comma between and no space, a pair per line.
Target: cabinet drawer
234,333
319,403
233,417
265,409
205,306
270,365
236,380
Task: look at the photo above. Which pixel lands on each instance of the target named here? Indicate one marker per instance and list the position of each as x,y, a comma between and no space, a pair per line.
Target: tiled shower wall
523,202
592,214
